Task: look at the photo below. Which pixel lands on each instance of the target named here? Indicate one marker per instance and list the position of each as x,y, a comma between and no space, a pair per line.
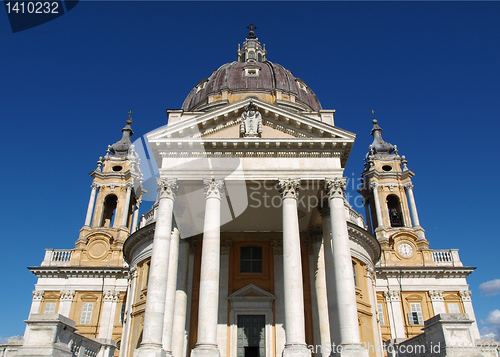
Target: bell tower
387,191
113,208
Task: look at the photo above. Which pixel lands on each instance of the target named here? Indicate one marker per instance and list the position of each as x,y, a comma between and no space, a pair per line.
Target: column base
205,350
349,350
296,350
151,351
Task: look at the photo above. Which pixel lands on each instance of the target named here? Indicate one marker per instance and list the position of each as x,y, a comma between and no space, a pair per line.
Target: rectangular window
50,308
86,313
122,312
354,272
415,317
251,259
453,308
380,311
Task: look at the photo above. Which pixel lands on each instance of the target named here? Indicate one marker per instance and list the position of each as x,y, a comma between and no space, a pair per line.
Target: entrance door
251,336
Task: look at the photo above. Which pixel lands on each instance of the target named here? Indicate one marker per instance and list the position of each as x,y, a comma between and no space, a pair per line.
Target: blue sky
430,70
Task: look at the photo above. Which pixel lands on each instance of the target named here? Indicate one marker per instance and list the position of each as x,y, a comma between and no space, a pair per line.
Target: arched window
109,211
395,214
259,57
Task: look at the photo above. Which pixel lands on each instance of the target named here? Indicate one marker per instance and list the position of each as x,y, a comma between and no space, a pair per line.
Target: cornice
79,272
140,236
423,272
366,240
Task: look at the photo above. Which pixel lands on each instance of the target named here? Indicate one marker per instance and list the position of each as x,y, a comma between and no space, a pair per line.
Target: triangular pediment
224,123
251,291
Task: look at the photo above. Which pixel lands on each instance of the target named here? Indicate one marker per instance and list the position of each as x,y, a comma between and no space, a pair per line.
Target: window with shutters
453,308
50,308
415,316
86,317
380,311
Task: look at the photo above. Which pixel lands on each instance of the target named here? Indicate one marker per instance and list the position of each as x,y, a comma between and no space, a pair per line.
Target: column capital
465,295
38,295
289,188
167,188
129,185
374,185
370,273
436,295
277,247
408,185
225,246
214,188
111,295
335,187
392,295
138,202
67,295
94,186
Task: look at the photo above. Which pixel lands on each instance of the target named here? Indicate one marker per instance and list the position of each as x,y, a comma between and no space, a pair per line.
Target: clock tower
390,205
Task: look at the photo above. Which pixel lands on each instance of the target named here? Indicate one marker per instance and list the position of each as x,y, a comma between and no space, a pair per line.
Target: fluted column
413,206
179,331
136,215
127,204
171,289
90,207
209,276
295,344
348,329
378,210
155,302
320,291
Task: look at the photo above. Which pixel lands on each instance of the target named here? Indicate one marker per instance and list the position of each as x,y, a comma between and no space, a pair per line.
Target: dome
251,75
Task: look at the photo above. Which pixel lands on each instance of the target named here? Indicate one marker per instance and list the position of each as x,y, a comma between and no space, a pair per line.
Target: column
378,211
127,204
136,215
295,344
370,285
279,296
333,311
223,298
152,334
91,204
108,314
469,310
209,276
366,203
179,331
127,321
396,318
37,301
171,289
65,300
343,276
319,292
413,206
437,300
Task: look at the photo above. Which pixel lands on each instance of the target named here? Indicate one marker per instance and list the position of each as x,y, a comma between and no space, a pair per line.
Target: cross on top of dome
252,50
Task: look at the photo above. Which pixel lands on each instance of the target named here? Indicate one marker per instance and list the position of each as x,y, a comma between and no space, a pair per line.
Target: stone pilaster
292,272
469,310
437,300
108,314
65,299
396,318
37,301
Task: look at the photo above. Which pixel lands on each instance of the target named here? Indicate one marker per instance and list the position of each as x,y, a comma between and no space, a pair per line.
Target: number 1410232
32,7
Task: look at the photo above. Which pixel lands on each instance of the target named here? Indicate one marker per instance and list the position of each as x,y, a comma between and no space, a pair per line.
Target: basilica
251,249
